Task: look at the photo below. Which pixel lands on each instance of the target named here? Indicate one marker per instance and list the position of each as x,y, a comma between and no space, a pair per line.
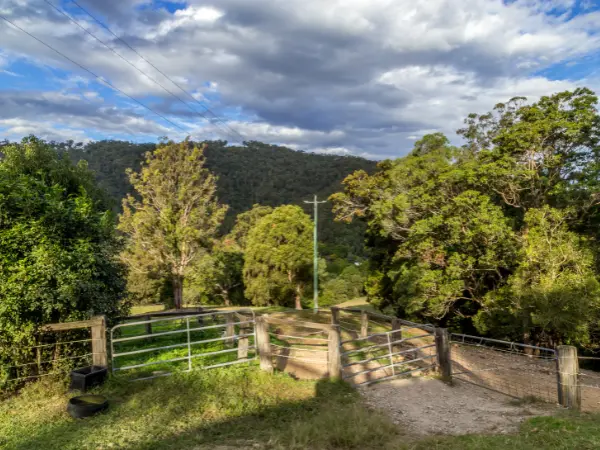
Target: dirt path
425,406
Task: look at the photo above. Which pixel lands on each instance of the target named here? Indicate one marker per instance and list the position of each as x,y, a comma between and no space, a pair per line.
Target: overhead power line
60,11
206,108
98,77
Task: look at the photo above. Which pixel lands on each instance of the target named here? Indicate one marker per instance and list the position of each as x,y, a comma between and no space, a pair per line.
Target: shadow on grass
235,408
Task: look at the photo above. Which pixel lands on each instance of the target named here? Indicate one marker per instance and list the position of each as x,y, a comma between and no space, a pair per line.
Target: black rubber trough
86,405
87,377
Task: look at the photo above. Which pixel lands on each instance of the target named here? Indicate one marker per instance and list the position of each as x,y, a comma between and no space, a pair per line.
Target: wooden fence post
335,316
99,357
442,346
148,325
334,363
569,390
264,344
243,341
364,323
229,330
396,333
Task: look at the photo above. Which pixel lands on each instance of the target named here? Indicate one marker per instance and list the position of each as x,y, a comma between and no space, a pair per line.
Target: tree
176,216
500,234
59,251
236,239
553,295
278,257
218,276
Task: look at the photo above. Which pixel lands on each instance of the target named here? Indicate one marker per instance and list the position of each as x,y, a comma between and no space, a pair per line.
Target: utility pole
315,255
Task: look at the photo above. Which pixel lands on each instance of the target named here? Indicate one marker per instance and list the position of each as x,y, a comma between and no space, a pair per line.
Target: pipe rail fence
183,343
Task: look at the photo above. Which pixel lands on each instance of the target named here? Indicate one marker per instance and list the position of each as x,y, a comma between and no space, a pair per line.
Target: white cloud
360,76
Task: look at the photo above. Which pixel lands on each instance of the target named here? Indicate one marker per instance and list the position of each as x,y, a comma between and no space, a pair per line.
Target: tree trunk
298,296
226,297
178,291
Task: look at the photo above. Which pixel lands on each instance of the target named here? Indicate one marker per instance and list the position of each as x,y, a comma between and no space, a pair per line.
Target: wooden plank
99,357
263,344
397,333
335,316
229,330
442,344
72,325
364,324
334,361
296,323
569,389
243,342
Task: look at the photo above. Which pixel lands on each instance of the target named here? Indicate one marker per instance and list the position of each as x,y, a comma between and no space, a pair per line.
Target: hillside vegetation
256,173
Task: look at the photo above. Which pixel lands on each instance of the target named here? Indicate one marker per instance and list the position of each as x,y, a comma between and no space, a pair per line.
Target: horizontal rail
363,349
383,333
375,369
151,363
366,383
497,341
298,337
64,326
170,319
167,374
166,347
387,355
295,323
299,358
218,352
299,348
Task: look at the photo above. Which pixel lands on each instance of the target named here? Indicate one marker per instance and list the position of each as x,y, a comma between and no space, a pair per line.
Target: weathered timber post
243,340
442,346
335,315
364,323
229,330
396,333
99,357
148,325
334,362
264,344
569,390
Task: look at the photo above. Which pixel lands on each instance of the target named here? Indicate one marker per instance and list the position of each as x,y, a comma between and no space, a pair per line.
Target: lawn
245,408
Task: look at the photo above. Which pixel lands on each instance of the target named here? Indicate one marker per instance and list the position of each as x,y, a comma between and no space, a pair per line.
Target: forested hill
255,173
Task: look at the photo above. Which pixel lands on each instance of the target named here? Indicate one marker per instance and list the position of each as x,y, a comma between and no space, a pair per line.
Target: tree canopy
497,235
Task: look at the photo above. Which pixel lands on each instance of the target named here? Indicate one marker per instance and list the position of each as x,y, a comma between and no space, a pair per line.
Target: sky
348,77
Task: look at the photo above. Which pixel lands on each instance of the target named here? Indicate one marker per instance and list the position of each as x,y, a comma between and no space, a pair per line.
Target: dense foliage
278,257
57,245
501,234
175,218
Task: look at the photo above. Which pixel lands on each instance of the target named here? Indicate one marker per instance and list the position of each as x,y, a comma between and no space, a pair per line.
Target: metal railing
246,322
395,360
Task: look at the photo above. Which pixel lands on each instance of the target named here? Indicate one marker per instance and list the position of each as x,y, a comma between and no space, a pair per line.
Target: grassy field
245,408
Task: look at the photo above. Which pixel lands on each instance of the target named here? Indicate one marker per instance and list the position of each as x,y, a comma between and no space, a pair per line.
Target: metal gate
153,348
383,355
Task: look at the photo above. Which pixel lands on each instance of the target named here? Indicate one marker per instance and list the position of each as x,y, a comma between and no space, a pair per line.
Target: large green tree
175,216
58,247
452,230
278,256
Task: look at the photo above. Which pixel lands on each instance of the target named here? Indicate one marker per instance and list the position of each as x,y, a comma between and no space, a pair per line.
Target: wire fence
56,354
517,370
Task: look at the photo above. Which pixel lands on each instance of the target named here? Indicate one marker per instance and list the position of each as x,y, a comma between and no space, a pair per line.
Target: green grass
246,408
233,407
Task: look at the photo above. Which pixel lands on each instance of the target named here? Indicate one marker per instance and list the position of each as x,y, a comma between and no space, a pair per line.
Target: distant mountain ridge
254,173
